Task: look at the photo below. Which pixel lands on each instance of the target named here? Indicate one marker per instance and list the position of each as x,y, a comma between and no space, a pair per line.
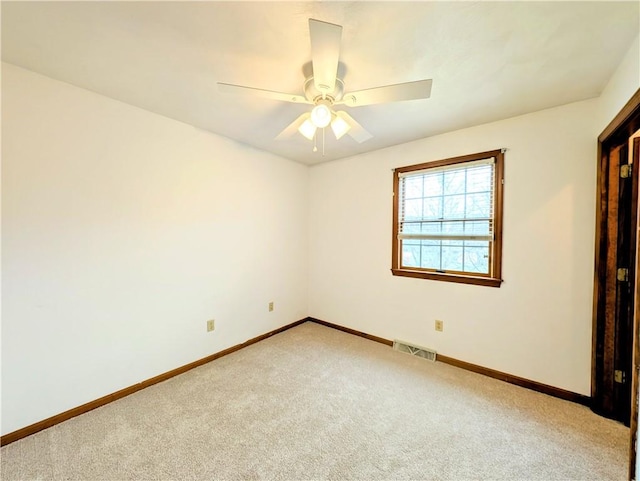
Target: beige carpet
315,403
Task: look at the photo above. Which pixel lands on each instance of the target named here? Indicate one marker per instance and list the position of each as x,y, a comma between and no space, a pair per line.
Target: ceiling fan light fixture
321,116
339,127
307,129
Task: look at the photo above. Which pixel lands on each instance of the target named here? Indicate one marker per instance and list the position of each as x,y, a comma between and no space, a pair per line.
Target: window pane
453,243
480,227
454,182
431,256
452,257
479,205
453,207
433,184
432,208
413,209
453,228
411,227
410,254
411,242
476,258
431,227
431,242
479,179
413,187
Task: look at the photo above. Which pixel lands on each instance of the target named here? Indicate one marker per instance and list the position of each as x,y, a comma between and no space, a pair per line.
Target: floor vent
423,352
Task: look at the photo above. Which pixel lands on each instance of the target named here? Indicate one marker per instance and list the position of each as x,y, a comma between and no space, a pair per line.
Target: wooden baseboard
518,381
352,331
71,413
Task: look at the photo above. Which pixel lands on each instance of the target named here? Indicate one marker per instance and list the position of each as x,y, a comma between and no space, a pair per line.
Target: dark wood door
636,351
615,283
625,285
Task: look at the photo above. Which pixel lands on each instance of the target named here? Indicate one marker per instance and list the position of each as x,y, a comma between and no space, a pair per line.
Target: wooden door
615,283
635,393
625,285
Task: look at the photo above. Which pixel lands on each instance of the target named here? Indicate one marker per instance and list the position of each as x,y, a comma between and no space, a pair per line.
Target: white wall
621,86
123,232
538,324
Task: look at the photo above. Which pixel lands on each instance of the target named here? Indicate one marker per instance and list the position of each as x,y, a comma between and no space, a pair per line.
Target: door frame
618,131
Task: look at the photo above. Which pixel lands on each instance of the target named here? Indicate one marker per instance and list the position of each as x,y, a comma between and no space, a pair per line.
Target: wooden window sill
438,276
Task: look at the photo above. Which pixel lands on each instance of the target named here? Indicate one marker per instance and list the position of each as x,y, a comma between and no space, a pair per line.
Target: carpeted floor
316,403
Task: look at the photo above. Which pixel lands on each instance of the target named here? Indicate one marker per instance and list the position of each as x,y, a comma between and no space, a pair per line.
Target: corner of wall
624,82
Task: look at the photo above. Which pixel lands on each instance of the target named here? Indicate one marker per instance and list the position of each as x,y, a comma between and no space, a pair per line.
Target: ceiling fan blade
420,89
325,53
357,131
270,94
293,127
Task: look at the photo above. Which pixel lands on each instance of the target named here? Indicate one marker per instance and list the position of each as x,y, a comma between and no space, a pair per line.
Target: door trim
621,127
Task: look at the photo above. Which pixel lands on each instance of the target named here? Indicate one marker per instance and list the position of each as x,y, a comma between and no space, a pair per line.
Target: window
447,219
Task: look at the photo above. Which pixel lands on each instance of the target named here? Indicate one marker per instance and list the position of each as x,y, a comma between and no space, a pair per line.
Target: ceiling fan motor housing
314,95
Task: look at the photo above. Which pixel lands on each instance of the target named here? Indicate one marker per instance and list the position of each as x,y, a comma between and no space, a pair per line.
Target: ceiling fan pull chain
315,142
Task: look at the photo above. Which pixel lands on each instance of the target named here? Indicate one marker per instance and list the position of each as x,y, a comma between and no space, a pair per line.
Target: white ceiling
488,60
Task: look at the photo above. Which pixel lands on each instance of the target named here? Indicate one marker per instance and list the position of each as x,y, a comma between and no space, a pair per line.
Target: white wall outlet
211,325
439,325
271,306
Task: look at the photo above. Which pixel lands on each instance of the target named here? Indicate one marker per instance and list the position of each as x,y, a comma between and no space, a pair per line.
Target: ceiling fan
324,90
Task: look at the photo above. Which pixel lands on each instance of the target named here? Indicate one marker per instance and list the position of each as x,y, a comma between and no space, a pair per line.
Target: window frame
494,279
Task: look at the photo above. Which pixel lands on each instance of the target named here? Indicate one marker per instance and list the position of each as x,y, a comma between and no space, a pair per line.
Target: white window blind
454,203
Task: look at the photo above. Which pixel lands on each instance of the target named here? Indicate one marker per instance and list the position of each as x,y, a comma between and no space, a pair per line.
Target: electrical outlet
271,306
211,325
439,325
